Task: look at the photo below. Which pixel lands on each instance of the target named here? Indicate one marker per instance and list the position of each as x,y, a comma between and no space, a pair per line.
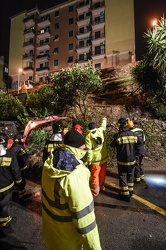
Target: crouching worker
9,174
68,216
21,155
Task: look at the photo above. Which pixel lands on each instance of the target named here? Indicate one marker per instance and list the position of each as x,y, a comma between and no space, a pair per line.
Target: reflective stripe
126,163
5,161
87,229
124,188
57,217
6,188
18,181
125,192
127,139
55,203
22,153
5,221
23,168
84,211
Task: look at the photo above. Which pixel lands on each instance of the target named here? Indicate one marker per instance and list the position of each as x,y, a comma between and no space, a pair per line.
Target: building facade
76,31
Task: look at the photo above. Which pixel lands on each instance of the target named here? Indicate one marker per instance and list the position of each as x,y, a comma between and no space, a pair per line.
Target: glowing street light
19,72
154,23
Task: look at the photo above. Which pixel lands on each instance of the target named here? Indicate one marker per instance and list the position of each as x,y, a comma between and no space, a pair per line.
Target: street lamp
19,72
154,23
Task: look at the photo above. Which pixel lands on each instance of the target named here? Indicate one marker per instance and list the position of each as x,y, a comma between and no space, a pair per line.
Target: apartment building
44,42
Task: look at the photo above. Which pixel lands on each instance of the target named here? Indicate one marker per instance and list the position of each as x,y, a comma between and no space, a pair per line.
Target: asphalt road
136,225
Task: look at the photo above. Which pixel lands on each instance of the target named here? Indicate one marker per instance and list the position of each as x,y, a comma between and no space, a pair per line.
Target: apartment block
45,42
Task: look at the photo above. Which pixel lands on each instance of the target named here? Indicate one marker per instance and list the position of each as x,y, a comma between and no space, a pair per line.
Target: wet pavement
139,224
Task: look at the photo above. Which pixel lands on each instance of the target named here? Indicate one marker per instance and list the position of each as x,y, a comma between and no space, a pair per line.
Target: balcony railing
42,68
42,56
29,18
98,5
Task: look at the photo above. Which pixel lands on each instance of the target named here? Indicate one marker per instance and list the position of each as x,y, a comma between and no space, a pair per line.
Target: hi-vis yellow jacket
67,204
96,144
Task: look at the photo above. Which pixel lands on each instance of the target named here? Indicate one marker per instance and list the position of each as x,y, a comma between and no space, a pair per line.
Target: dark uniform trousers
5,206
126,179
139,168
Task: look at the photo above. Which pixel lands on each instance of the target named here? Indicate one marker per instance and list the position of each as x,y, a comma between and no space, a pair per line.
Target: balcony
83,20
84,48
42,57
98,23
29,21
28,70
43,70
83,33
98,54
29,33
27,57
98,8
43,45
98,39
43,33
84,6
28,45
44,22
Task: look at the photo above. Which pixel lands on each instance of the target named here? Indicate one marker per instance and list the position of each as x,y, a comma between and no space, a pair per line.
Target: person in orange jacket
97,155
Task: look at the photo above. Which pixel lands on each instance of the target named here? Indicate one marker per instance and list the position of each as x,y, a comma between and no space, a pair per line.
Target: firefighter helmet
122,122
58,127
130,124
78,128
3,139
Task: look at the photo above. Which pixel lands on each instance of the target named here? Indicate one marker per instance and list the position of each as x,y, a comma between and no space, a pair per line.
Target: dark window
81,57
98,66
56,25
56,51
40,79
71,8
97,50
70,59
46,64
81,30
71,46
56,38
97,34
70,33
81,17
81,44
71,20
56,13
55,62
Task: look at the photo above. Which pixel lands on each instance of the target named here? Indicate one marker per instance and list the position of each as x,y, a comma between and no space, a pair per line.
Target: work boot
131,193
125,198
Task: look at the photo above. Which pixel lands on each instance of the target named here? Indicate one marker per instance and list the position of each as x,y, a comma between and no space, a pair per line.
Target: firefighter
22,157
67,203
125,142
140,153
56,139
9,174
97,155
78,128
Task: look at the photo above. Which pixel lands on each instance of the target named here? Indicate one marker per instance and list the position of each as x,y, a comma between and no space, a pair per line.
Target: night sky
145,12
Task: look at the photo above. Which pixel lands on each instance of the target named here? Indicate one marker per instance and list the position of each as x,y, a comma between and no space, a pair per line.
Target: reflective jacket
125,142
9,171
21,155
67,204
140,149
96,144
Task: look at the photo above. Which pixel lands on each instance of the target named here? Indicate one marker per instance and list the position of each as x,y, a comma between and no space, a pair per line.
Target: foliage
158,110
72,86
36,140
11,108
41,103
151,72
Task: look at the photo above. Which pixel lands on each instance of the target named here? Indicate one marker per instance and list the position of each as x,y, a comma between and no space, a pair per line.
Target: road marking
145,202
